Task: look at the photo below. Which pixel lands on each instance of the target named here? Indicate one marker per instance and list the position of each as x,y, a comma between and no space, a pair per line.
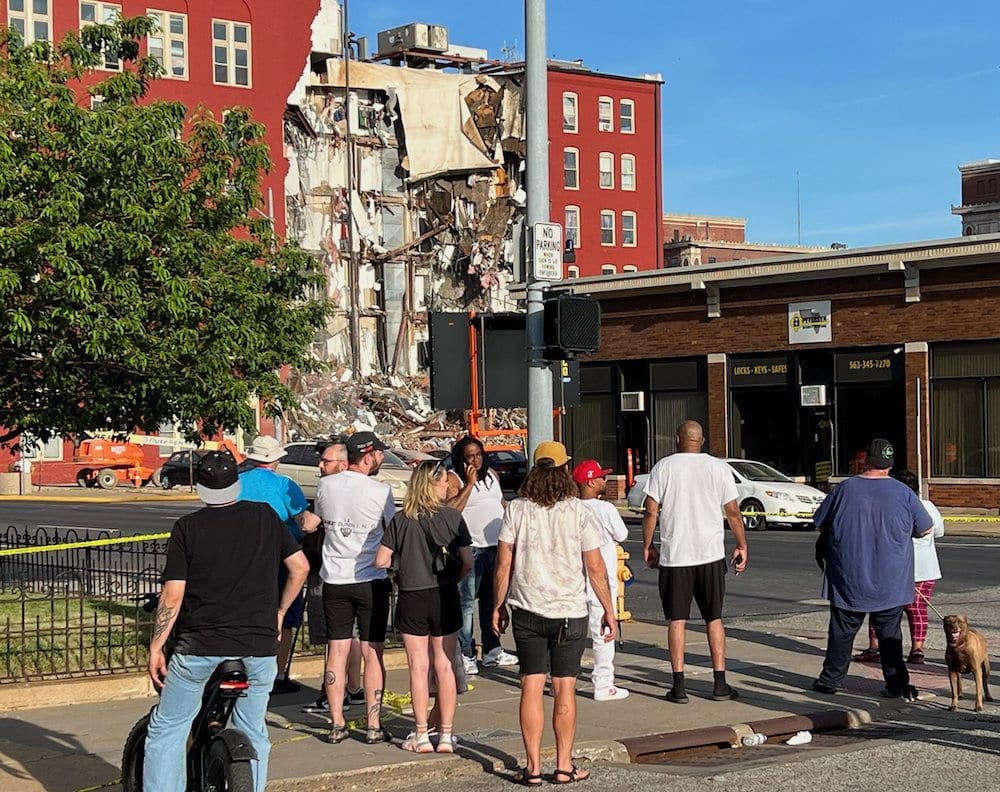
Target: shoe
570,776
680,697
376,734
729,694
471,666
524,778
916,657
867,656
283,686
320,706
909,693
337,734
352,697
822,687
498,657
610,694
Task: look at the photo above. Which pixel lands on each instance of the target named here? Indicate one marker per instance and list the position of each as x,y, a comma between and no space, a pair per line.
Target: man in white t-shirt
355,508
687,495
591,481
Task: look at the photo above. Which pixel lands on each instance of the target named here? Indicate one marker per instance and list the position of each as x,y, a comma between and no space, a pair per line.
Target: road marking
991,545
78,528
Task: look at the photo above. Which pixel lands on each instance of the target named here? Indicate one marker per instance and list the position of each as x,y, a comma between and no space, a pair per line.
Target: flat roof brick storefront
800,361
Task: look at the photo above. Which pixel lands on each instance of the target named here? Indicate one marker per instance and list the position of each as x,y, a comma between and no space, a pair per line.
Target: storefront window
591,429
965,410
672,409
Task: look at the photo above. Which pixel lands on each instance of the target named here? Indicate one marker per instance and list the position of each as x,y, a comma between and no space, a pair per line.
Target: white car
301,464
766,497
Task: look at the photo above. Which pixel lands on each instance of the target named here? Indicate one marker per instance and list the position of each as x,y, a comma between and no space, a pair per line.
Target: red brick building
980,209
798,361
605,168
221,54
693,240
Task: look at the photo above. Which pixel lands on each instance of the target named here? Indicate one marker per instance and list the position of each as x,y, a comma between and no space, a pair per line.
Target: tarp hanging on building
436,117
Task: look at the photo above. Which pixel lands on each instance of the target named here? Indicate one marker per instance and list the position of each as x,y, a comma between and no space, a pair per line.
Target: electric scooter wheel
223,773
133,756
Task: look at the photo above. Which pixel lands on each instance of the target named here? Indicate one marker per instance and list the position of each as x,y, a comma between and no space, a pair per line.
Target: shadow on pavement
36,756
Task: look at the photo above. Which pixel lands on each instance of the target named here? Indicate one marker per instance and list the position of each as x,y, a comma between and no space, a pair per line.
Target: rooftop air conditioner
415,36
813,396
633,401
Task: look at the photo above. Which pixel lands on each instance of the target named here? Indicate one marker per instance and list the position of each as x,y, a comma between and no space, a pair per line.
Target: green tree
140,282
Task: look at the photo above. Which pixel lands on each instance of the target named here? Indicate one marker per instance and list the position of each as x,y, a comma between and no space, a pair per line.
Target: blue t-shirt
263,485
870,524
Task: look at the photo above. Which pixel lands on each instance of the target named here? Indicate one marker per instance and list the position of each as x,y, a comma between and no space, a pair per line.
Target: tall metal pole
353,268
537,186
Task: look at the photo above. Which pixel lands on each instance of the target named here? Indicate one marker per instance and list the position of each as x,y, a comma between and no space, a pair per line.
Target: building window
569,112
572,271
605,109
630,268
607,227
965,410
168,43
571,169
572,225
711,259
628,229
31,18
606,167
608,269
628,171
231,53
626,116
102,14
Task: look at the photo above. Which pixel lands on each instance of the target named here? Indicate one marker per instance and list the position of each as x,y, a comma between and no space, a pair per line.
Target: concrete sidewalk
73,747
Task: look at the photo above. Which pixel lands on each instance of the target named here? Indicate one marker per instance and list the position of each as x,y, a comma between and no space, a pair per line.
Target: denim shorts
549,645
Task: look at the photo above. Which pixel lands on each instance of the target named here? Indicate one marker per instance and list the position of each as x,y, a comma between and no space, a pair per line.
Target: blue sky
874,104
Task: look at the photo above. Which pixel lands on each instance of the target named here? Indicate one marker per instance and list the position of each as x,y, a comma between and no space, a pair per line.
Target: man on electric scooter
219,592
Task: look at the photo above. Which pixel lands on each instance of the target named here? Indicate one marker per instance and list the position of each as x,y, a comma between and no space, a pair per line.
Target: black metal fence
74,610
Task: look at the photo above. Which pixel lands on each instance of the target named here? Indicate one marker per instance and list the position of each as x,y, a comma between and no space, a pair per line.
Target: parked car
414,458
301,464
510,466
180,469
766,496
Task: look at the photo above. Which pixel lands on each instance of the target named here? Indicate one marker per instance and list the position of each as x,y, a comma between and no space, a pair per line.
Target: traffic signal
572,326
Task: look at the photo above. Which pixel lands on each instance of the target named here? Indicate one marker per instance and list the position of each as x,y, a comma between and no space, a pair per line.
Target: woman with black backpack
429,546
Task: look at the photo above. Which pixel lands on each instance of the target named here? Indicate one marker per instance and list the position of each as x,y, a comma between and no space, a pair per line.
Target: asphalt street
119,519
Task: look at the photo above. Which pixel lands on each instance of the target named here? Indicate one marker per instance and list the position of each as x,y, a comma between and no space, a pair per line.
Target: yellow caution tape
74,545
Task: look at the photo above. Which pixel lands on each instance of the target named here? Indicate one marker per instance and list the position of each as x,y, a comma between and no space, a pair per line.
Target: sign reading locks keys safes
810,322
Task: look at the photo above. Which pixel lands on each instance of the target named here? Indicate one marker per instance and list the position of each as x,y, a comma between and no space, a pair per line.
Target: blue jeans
844,625
165,768
478,584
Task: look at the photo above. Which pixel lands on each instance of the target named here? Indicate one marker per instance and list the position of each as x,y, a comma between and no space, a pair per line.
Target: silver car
301,464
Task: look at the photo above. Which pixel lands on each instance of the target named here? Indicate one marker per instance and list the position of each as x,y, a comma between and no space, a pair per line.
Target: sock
678,682
720,683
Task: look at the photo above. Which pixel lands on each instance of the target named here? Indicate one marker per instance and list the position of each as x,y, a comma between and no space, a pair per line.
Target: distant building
980,209
605,168
695,240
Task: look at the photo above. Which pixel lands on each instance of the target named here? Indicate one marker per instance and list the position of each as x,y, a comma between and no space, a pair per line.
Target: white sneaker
610,694
471,666
498,657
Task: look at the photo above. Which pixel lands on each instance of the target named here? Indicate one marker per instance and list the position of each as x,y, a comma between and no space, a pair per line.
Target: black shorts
549,645
367,603
436,611
705,583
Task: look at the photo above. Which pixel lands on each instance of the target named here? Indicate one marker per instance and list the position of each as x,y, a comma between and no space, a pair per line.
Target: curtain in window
592,430
670,409
957,428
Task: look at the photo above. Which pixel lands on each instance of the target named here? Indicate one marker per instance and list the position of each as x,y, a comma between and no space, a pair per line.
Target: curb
390,776
98,499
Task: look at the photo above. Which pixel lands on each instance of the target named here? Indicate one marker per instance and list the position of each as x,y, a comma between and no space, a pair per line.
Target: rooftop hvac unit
633,401
415,36
813,396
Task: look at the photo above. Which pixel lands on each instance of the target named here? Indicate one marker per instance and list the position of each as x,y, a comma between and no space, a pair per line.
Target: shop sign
822,471
810,322
759,371
879,366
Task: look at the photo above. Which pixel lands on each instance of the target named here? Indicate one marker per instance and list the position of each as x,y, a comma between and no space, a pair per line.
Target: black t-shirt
229,556
411,554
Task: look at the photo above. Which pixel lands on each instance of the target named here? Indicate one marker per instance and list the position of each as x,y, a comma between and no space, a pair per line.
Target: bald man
691,495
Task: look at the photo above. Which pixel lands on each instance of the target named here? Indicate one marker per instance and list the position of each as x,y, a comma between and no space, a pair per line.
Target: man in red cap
591,481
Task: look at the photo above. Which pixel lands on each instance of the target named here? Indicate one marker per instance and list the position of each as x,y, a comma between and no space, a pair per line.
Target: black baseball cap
218,480
880,454
364,443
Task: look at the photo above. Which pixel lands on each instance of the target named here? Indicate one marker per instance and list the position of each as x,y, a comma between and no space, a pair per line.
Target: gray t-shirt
407,538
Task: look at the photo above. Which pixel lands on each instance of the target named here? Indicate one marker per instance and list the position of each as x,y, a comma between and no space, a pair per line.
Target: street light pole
537,188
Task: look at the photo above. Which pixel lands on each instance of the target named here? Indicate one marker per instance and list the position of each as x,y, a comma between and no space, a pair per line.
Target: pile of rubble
395,407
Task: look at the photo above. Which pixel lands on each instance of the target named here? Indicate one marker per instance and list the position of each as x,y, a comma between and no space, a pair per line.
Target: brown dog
966,653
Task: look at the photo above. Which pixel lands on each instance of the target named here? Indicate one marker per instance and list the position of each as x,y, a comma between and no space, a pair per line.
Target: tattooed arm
166,616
